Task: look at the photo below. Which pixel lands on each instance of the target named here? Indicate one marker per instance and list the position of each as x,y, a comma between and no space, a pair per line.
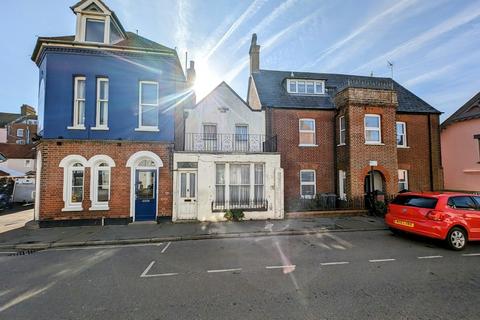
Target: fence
221,142
256,205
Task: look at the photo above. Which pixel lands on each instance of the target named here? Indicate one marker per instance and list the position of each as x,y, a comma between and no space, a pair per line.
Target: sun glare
207,79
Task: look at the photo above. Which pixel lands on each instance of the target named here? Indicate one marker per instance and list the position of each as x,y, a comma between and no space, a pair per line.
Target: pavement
325,275
26,238
15,218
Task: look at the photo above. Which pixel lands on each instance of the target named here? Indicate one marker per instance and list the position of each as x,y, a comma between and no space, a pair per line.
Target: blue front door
145,194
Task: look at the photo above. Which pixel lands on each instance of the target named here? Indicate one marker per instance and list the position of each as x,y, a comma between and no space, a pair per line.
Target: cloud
182,31
470,13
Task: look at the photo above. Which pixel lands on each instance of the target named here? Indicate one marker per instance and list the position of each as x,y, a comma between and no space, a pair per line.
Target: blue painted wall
124,73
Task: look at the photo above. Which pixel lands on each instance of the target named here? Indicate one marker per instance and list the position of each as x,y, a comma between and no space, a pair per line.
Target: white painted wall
208,111
206,183
20,165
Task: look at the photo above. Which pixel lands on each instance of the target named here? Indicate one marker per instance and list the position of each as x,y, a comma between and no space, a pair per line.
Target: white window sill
148,129
308,145
76,208
403,147
99,208
308,197
76,128
374,144
341,144
100,128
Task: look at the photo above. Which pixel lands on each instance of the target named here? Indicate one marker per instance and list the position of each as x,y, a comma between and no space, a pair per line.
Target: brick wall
51,188
12,132
284,123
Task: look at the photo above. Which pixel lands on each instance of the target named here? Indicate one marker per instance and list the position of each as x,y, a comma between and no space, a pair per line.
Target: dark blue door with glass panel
145,195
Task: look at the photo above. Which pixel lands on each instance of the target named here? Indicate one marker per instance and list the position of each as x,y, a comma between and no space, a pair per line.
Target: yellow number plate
404,223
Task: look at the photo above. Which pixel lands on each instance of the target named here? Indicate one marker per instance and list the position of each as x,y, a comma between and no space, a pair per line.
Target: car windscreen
416,201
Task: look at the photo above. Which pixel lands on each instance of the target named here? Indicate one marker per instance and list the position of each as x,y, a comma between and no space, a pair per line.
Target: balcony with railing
227,142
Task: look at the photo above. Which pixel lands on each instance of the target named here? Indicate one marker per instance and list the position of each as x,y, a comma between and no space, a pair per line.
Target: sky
433,44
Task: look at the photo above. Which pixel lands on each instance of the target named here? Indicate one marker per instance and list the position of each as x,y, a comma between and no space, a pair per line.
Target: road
346,275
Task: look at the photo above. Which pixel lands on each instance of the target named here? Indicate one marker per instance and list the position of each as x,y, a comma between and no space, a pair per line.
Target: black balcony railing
255,205
221,142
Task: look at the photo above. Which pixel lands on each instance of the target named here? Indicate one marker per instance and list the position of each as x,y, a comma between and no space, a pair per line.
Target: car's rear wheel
395,231
457,238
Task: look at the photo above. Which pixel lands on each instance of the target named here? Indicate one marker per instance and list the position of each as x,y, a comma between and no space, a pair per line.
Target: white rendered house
227,162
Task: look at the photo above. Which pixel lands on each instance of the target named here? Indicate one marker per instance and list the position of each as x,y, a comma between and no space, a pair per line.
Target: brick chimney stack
254,55
27,110
191,74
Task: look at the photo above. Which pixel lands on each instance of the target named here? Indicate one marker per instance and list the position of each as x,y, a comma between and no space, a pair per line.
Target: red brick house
332,129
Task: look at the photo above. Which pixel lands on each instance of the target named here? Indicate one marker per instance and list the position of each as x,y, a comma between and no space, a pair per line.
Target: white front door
187,191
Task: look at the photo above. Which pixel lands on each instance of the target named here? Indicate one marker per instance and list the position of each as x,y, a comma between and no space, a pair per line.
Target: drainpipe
430,151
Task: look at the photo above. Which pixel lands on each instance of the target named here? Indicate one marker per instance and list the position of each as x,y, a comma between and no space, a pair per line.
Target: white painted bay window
102,104
307,132
373,131
258,193
402,180
220,184
307,184
148,106
79,103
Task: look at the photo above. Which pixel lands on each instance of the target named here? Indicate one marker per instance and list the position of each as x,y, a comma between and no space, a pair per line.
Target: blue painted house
110,112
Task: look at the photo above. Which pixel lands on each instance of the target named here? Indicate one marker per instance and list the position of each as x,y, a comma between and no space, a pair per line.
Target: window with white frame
373,132
220,184
402,180
210,137
342,184
342,130
20,133
94,30
148,113
308,184
79,103
401,134
100,184
74,192
303,86
307,132
239,185
258,192
20,141
102,103
241,137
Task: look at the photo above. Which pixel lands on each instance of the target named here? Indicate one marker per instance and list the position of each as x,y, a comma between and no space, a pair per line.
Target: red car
453,217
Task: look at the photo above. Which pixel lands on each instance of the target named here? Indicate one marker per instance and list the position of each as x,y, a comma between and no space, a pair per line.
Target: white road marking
224,270
8,252
166,247
381,260
281,267
430,257
103,247
471,254
144,274
333,263
160,275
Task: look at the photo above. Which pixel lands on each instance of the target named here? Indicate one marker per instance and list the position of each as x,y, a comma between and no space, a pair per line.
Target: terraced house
343,136
108,103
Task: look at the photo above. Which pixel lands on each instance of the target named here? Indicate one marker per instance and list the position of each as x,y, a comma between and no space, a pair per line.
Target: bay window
239,185
258,193
220,184
373,134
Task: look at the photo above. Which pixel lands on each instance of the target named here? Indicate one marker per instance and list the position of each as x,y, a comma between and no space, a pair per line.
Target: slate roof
470,110
133,41
6,118
271,88
17,151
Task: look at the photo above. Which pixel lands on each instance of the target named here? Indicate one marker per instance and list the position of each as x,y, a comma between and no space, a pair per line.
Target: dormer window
96,23
307,87
95,30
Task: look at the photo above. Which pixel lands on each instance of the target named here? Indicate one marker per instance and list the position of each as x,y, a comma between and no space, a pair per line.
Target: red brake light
435,215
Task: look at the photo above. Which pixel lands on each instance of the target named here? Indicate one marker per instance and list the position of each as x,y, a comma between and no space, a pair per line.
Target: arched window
73,182
100,181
